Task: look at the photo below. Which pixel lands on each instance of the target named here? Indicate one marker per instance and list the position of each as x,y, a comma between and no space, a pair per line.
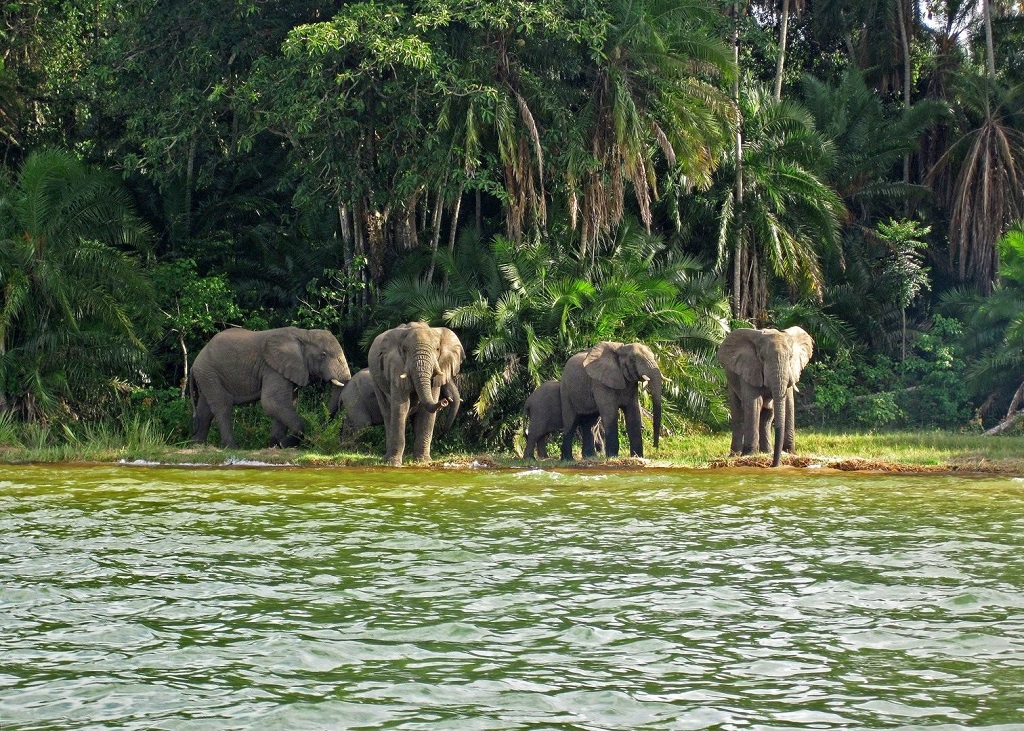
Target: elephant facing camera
362,409
600,382
762,368
413,369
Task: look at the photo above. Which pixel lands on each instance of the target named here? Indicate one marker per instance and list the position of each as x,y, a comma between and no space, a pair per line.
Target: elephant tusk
645,379
337,383
404,375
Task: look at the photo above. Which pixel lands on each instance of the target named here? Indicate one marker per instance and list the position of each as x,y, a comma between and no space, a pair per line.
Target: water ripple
159,598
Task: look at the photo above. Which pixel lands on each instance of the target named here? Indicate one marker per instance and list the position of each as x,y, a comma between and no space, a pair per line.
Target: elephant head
428,357
762,365
415,360
298,354
619,366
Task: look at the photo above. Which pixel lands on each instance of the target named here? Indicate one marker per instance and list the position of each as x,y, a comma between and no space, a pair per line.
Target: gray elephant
543,412
239,366
762,368
362,410
409,365
601,382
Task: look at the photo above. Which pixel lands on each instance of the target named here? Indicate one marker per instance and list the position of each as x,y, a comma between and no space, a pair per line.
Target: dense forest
537,175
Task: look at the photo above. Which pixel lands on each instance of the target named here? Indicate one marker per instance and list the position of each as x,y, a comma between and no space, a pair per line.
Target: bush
925,391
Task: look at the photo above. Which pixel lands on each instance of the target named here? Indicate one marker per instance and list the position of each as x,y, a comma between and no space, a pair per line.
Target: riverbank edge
215,458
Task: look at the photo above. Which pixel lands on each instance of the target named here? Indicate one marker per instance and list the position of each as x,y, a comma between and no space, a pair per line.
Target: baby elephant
543,410
362,409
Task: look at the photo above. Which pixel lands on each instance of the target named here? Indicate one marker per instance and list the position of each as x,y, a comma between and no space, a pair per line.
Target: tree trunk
435,236
1013,414
781,61
737,274
989,44
905,43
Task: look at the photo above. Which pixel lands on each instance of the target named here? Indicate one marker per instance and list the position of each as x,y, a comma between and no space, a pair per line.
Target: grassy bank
895,451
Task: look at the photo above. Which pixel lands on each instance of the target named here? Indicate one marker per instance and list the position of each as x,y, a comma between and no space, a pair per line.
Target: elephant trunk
455,397
422,374
655,386
334,405
779,389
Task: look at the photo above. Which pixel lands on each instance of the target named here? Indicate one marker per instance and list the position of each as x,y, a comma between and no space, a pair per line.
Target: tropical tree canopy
539,174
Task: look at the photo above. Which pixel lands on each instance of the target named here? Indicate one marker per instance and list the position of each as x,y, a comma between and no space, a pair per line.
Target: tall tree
980,177
654,88
788,215
71,293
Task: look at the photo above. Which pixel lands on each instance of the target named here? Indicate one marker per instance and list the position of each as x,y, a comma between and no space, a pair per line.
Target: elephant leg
423,433
278,431
535,445
278,405
542,446
736,421
567,436
587,443
586,430
634,429
765,417
750,418
394,429
201,420
789,443
227,434
610,417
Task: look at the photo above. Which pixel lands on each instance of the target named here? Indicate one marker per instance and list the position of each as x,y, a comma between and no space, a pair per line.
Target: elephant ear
803,348
602,364
738,355
283,352
452,354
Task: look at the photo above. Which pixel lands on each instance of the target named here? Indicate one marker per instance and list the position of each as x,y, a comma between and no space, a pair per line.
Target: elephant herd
411,375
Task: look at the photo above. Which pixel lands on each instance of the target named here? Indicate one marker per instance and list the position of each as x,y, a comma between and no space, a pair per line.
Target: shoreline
296,459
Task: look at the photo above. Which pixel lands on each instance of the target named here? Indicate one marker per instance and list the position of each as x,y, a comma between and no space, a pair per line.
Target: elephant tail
193,396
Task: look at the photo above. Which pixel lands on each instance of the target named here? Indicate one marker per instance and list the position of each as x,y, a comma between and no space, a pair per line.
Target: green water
174,598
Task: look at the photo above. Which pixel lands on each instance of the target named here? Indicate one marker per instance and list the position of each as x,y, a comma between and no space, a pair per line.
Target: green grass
143,440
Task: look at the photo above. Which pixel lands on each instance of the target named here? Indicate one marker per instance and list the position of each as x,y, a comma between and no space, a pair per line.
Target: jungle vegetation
538,175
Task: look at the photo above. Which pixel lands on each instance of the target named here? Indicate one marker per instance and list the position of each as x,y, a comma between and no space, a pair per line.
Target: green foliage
904,267
553,302
72,294
926,389
788,219
994,325
332,301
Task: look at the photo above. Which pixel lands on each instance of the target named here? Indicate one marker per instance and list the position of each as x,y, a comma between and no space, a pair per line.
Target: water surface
175,598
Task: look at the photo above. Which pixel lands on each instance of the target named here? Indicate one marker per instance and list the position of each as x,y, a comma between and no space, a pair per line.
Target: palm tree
556,301
71,295
980,177
994,328
869,142
651,91
785,216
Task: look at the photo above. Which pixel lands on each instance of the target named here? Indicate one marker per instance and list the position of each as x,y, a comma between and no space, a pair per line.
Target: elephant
598,383
239,366
762,368
543,411
409,365
362,410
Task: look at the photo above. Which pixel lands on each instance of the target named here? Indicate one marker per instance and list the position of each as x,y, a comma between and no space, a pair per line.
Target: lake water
176,598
